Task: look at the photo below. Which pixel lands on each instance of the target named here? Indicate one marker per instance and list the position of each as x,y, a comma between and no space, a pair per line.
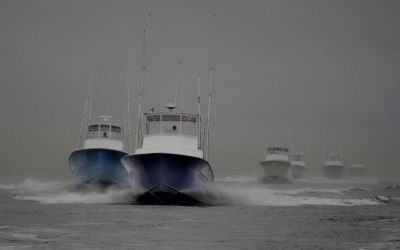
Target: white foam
34,185
236,179
261,196
110,196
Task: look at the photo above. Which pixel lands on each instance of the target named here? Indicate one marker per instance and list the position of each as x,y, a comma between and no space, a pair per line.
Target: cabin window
171,124
105,131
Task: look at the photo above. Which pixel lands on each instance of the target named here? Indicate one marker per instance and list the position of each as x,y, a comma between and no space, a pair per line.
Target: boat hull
98,167
168,179
334,171
275,171
298,171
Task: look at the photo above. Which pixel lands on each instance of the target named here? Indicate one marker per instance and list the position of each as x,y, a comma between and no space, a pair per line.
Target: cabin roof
282,149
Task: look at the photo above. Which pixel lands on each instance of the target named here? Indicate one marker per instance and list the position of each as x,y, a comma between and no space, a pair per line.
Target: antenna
266,138
181,85
323,148
142,79
292,141
177,82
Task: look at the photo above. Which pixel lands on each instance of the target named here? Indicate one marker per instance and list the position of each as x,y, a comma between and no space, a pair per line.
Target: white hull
298,171
275,170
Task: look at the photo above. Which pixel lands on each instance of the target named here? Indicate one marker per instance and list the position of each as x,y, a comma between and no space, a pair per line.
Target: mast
87,113
142,79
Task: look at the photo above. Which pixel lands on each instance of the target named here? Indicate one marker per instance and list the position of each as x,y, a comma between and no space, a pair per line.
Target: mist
313,68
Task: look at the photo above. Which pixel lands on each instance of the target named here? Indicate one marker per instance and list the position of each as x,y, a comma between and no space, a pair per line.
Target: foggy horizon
312,68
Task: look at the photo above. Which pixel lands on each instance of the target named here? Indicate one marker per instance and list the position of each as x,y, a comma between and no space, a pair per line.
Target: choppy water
310,214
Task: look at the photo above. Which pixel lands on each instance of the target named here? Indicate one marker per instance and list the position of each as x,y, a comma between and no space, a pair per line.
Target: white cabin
103,135
333,160
298,160
277,154
171,133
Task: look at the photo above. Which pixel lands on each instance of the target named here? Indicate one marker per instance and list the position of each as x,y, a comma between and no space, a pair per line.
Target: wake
228,191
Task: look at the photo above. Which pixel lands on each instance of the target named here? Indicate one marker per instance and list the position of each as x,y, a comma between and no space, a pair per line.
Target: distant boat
333,167
356,170
98,161
276,164
298,166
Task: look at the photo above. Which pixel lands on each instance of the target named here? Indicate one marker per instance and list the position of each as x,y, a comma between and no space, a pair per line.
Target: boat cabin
105,131
277,150
298,157
171,123
170,132
332,157
104,135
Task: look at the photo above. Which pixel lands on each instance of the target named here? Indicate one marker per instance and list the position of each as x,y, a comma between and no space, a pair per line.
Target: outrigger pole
127,125
87,106
142,79
211,71
199,110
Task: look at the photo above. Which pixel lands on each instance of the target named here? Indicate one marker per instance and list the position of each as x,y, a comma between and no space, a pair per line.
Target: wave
226,191
237,179
59,192
257,195
34,185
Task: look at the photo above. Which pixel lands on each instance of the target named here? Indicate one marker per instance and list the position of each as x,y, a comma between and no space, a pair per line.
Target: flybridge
277,150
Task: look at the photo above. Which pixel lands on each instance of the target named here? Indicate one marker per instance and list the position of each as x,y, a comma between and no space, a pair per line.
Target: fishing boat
333,167
356,169
276,164
98,161
169,166
298,166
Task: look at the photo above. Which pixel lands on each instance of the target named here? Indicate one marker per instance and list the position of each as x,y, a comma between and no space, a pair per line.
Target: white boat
276,164
333,167
298,166
356,169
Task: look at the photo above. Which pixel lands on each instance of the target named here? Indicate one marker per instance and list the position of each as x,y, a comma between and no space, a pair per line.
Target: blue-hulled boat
98,161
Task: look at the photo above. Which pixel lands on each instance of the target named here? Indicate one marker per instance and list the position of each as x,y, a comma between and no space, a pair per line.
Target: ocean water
313,213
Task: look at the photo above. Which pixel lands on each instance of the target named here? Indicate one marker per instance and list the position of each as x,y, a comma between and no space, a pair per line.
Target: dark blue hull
98,167
168,178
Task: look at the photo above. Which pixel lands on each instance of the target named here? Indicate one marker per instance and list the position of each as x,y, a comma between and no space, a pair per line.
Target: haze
316,68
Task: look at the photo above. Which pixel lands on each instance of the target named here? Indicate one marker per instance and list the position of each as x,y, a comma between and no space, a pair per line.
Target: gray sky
314,67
